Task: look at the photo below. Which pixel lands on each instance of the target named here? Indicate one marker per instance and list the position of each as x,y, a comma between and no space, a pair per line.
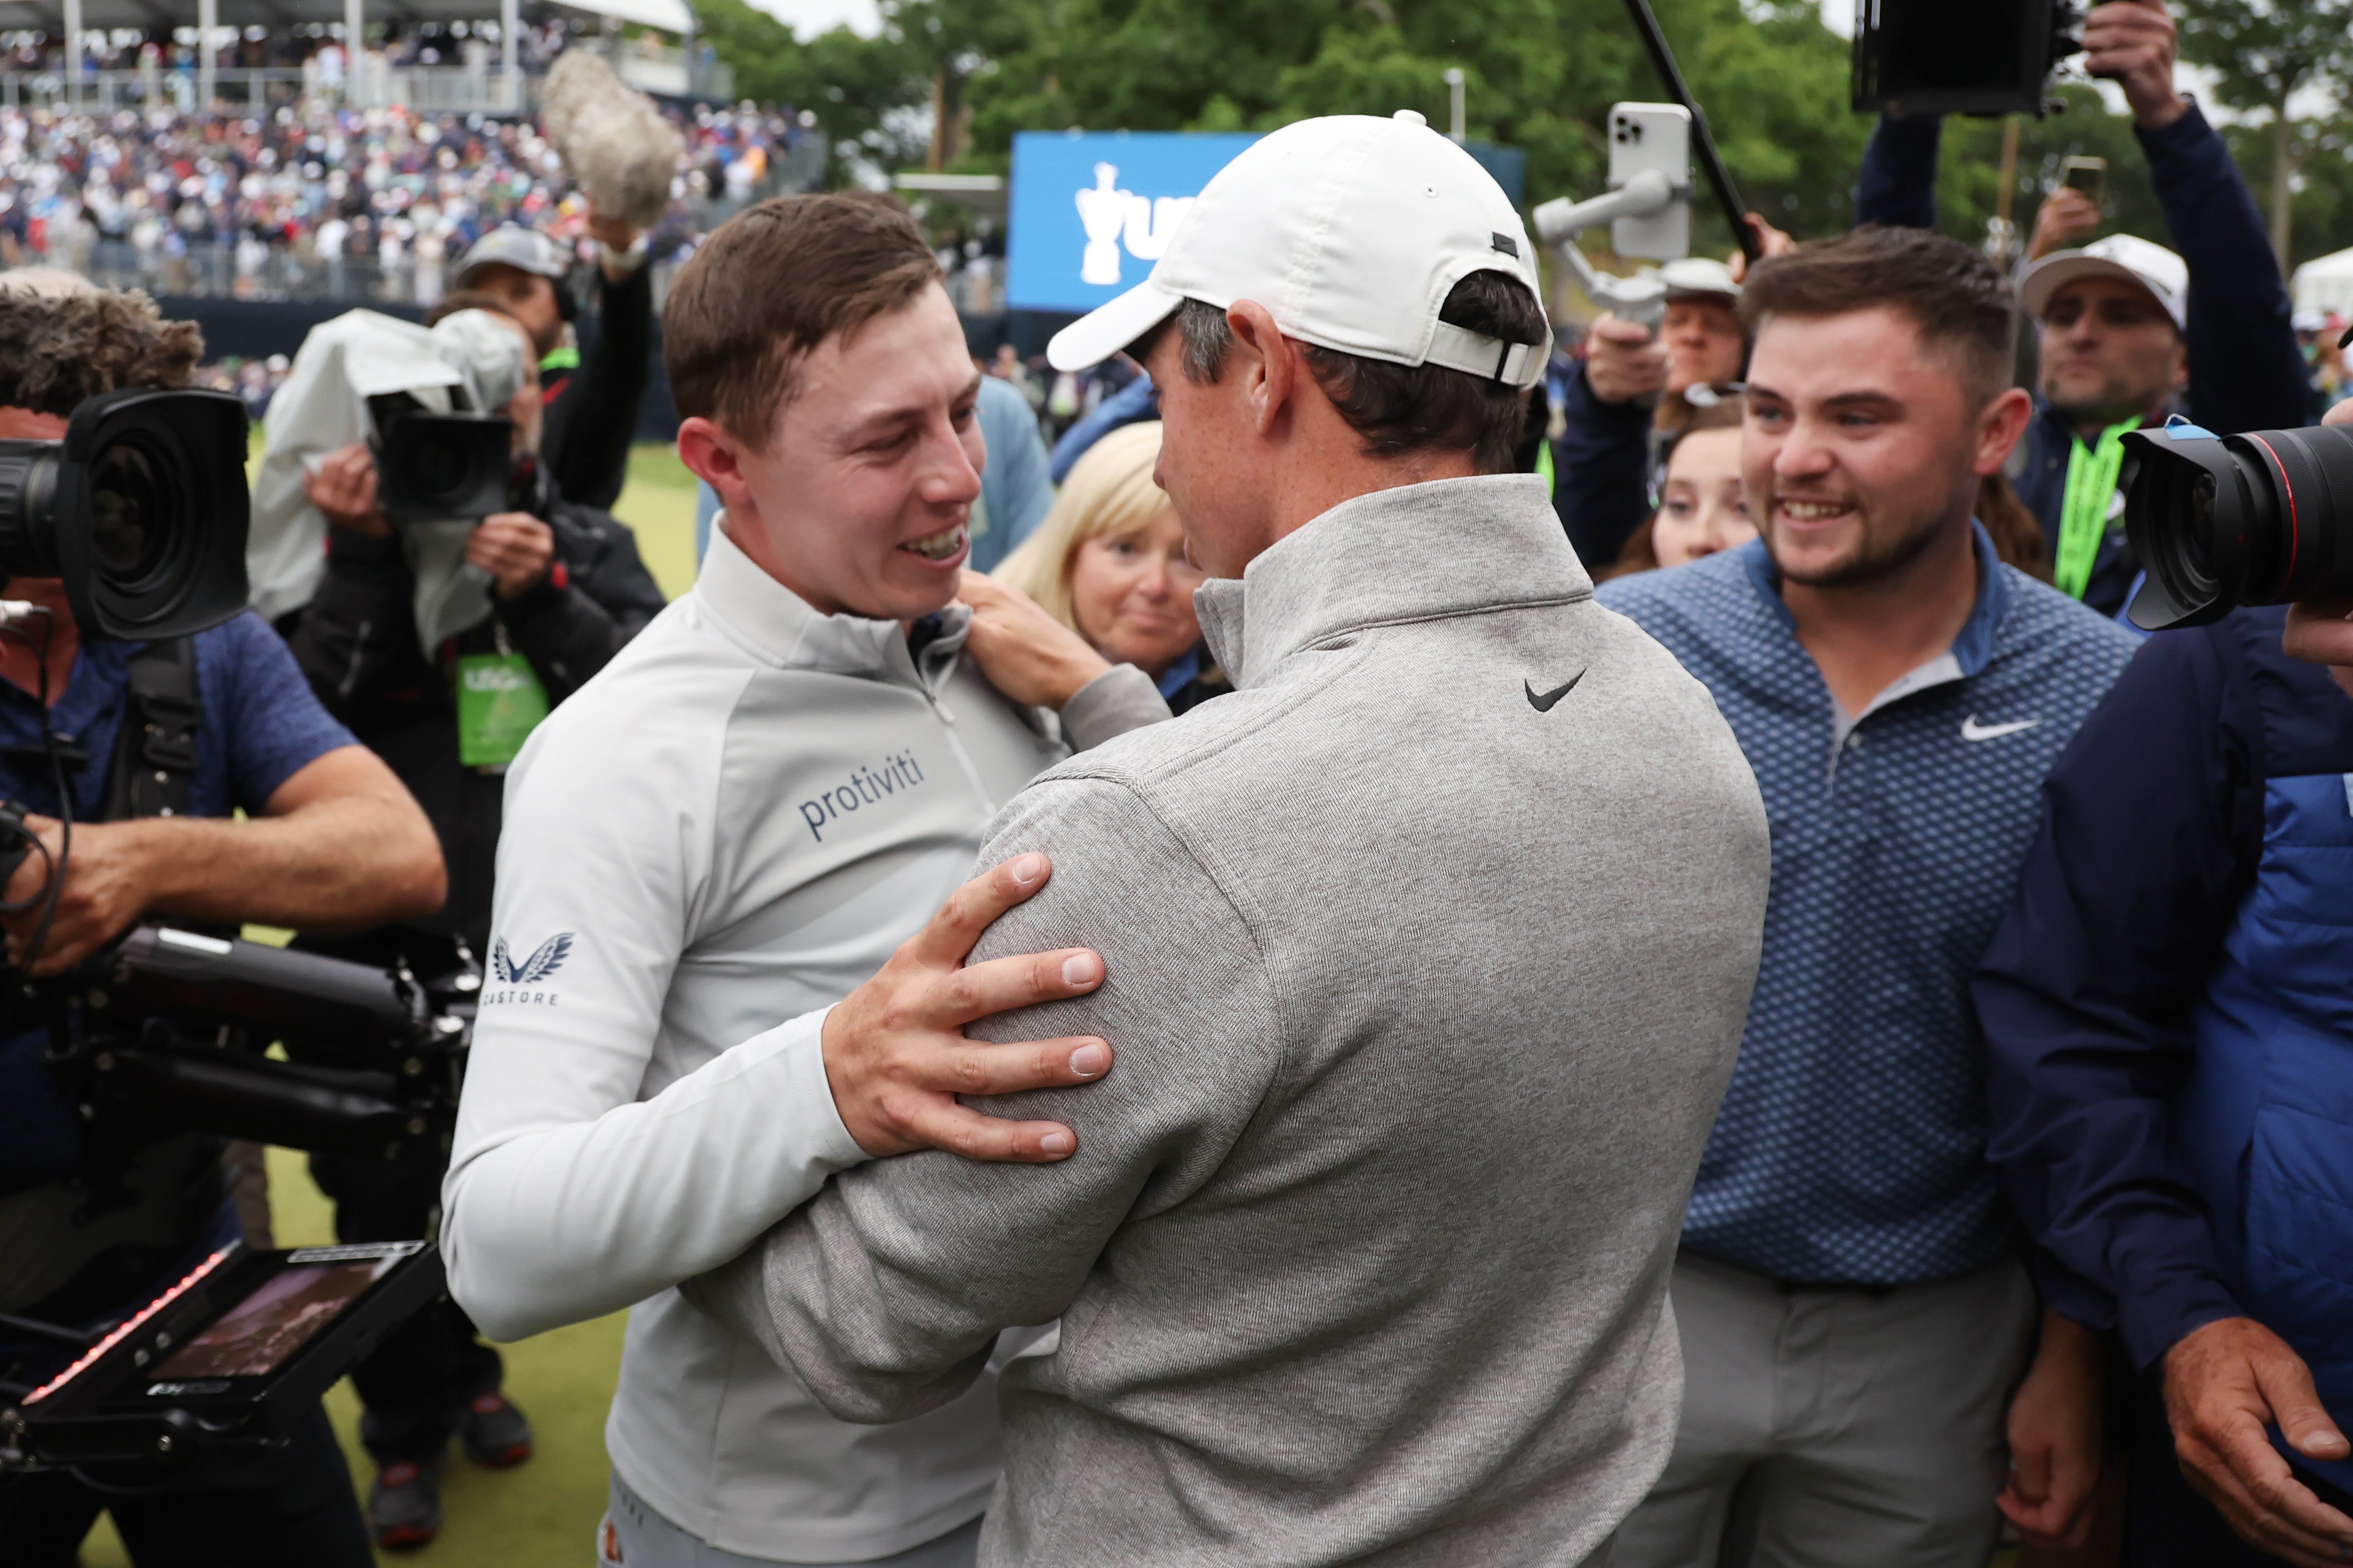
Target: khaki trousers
1836,1428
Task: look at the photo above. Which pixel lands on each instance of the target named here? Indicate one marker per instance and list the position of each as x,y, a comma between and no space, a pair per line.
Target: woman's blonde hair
1108,494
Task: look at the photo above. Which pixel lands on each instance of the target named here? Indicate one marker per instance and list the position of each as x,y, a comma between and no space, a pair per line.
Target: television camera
172,1031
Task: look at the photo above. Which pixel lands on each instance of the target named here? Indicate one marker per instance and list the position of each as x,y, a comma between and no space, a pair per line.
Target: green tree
2262,52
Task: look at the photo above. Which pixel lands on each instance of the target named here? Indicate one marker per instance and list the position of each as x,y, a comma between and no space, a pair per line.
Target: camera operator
2129,328
592,398
566,589
330,840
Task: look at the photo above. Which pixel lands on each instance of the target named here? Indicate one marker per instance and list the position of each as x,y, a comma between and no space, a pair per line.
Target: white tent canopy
2325,283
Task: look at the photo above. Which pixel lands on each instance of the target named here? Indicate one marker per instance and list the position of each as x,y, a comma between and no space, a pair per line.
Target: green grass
545,1510
657,503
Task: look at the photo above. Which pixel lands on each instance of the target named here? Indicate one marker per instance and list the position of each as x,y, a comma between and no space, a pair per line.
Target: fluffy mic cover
611,137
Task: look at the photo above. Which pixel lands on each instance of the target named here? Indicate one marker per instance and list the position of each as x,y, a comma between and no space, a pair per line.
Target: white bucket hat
1351,230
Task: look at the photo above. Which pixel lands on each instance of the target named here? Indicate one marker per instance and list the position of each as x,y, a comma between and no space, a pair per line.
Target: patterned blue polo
1851,1144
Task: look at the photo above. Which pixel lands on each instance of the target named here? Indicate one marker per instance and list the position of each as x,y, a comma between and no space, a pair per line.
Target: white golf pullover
736,822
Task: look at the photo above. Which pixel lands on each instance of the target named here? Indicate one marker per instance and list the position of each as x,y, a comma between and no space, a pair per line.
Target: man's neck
1867,636
1308,491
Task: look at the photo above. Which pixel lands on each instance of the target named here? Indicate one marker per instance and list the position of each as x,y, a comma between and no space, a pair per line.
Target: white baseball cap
1351,230
2160,271
1694,276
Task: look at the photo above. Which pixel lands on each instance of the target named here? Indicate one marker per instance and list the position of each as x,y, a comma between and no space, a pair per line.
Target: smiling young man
734,823
1901,695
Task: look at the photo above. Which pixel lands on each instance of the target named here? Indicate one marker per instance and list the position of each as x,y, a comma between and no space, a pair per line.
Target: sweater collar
1417,552
780,627
1972,646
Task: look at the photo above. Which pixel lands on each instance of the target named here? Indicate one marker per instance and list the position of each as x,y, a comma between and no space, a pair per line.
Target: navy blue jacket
2246,372
1601,465
2195,835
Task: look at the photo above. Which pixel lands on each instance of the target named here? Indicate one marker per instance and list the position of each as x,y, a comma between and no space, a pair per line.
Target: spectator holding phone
2131,332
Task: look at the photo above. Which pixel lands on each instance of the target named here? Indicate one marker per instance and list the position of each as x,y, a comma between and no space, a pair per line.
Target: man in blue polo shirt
331,838
1852,1311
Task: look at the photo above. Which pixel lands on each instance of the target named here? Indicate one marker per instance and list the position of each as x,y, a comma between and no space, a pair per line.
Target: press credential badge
500,703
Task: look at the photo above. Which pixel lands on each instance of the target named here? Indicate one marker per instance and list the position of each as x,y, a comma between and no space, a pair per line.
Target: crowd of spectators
316,201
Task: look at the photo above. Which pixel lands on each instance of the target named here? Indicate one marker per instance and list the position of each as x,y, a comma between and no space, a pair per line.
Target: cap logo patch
1507,245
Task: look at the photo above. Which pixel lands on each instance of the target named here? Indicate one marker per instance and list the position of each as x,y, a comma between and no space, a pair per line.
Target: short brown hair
1400,408
56,352
1958,300
772,283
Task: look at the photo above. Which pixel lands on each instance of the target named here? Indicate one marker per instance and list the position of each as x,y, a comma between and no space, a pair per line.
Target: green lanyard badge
500,703
2083,516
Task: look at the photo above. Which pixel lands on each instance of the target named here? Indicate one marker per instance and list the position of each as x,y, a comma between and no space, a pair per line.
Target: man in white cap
1425,951
1633,396
2131,330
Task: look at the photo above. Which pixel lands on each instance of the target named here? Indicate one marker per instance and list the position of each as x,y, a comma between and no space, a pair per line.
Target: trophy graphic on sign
1103,213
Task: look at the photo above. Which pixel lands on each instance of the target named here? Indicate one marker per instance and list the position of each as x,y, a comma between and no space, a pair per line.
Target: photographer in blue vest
2168,1013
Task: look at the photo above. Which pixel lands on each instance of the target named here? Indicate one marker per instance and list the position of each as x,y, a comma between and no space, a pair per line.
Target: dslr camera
2218,522
430,465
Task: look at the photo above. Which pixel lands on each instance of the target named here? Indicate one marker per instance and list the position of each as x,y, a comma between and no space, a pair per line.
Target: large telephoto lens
141,511
2219,521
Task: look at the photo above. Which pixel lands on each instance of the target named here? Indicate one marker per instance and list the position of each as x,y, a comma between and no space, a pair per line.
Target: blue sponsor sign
1090,212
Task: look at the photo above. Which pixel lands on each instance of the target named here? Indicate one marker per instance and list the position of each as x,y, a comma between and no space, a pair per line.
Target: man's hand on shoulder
107,887
1025,653
896,1055
2225,1383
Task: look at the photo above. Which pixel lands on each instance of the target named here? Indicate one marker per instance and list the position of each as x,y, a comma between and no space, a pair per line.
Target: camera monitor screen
258,1335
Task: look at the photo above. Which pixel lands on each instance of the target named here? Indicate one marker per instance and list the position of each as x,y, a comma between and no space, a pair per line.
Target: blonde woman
1109,563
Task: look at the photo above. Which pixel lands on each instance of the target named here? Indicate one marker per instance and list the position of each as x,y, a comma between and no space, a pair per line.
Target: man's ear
710,454
1998,428
1267,364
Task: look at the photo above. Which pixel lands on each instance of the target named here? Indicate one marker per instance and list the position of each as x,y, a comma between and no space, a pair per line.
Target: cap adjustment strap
1490,359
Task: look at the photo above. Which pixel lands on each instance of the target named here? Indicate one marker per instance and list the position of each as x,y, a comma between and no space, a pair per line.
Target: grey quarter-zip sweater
1428,951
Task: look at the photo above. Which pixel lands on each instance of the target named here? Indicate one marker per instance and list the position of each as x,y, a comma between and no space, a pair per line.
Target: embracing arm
886,1293
569,1196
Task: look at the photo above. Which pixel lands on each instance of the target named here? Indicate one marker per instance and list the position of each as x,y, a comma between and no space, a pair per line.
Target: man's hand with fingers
1624,360
2056,1439
895,1052
2134,43
2225,1384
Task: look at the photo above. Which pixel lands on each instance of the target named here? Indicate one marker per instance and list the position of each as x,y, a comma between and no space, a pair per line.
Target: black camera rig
170,1032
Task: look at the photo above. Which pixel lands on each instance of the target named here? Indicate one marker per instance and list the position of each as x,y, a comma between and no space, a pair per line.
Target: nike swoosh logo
1973,730
1542,704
